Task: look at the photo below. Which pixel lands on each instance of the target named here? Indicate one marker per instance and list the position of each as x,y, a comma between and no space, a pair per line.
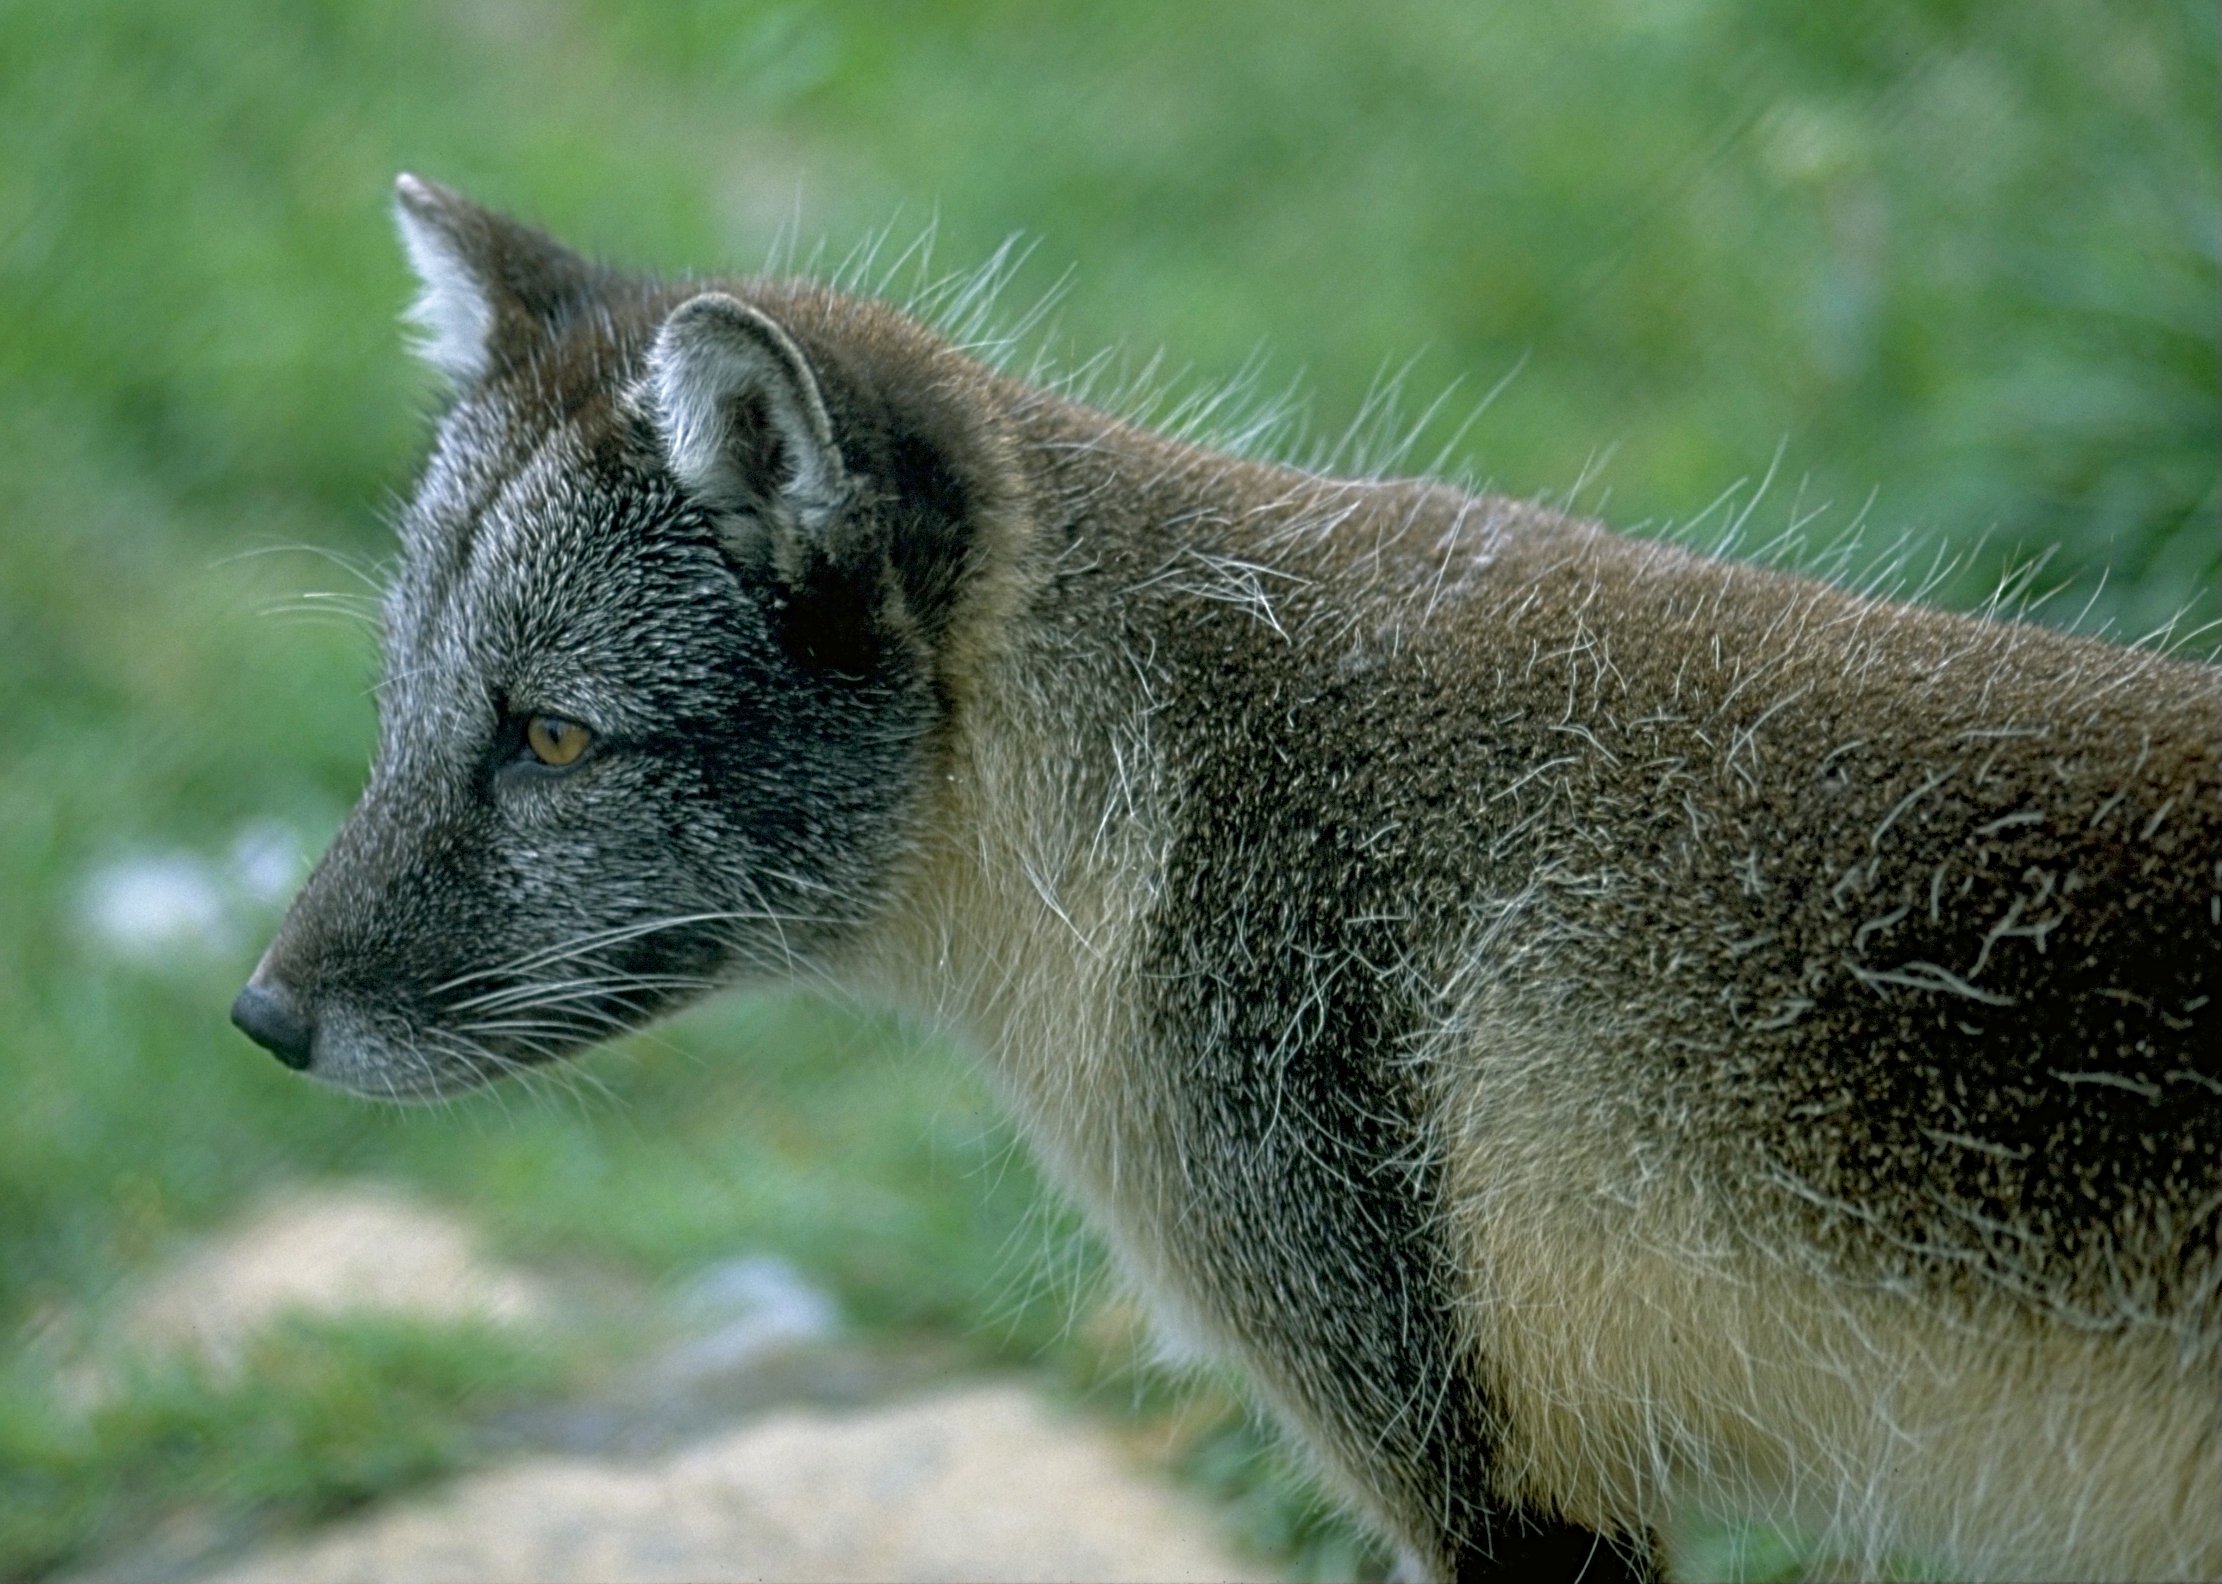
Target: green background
1944,273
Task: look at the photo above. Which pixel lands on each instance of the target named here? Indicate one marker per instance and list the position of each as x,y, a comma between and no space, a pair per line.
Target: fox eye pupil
554,740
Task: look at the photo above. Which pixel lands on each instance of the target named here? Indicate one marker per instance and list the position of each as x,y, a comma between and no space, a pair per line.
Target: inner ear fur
492,289
742,420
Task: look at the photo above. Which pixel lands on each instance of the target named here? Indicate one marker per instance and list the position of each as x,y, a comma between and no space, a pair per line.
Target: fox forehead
552,574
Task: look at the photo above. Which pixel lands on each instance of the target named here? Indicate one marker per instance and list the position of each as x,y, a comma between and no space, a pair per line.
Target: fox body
1595,1031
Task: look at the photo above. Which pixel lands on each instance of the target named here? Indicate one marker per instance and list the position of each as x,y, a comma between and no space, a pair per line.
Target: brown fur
1854,1274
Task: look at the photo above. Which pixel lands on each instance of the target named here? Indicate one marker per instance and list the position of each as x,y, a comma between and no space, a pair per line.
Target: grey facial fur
1595,1031
754,757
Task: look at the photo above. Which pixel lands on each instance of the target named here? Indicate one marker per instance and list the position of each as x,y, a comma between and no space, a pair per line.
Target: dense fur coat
1597,1032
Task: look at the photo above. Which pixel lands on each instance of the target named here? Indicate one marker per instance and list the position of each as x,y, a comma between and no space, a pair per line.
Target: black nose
268,1015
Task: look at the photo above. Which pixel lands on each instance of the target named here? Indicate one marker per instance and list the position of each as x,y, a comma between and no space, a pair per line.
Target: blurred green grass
1948,269
320,1419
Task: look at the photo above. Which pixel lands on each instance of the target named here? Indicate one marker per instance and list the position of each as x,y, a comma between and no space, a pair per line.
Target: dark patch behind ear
906,448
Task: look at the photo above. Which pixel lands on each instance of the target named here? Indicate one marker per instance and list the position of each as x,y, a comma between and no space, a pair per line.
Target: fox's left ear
493,287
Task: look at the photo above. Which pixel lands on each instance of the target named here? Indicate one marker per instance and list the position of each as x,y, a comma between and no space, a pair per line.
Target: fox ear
492,287
742,420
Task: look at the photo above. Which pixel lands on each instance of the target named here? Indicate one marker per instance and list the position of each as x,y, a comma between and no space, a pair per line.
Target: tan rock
986,1483
327,1251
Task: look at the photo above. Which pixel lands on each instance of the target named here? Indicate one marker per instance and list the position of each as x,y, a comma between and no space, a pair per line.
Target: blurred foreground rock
751,1442
986,1483
363,1249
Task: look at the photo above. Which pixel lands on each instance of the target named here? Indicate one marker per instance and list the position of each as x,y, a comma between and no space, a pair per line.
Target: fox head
662,688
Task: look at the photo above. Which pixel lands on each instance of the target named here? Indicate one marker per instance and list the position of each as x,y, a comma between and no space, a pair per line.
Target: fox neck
1018,924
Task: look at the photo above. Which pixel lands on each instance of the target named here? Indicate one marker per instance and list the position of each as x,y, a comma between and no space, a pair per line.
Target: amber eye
556,741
